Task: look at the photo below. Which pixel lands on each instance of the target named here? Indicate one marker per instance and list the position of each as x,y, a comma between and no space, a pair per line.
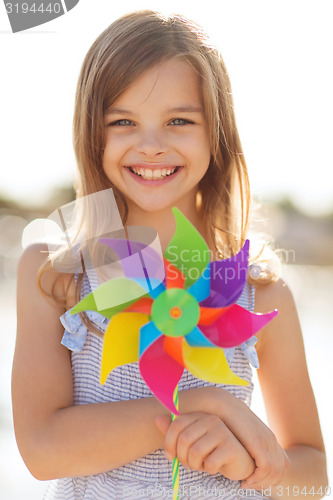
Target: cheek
193,144
109,161
200,151
113,152
116,144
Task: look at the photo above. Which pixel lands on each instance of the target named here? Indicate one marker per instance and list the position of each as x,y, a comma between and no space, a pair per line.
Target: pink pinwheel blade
236,326
161,373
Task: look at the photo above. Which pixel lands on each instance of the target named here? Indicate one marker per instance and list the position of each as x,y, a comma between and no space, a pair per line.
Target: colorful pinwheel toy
184,321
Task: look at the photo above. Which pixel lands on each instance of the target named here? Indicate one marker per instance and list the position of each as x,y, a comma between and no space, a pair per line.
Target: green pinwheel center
175,312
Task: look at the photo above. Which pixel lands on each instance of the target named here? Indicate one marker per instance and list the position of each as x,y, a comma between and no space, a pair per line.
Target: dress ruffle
75,333
248,349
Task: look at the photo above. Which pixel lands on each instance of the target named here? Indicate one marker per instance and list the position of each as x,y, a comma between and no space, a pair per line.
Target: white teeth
149,174
157,173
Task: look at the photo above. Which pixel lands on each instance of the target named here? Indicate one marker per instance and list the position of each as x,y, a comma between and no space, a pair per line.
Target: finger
204,436
163,422
230,459
269,470
200,450
286,461
256,480
261,477
188,440
176,427
198,440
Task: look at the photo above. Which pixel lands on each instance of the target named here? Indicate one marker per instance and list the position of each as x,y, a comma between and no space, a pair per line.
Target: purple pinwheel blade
161,373
140,256
236,326
227,279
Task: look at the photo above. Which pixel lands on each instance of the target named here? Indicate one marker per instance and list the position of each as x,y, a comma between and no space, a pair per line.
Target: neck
163,221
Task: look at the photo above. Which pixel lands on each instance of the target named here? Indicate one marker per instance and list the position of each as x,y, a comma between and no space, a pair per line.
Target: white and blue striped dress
151,475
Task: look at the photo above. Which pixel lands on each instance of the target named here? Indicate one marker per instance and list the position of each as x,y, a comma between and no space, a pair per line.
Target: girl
154,121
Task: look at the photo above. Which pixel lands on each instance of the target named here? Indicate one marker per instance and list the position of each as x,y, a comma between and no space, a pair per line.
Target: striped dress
151,475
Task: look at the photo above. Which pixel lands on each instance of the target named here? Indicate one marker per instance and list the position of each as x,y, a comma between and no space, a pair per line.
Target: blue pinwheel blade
154,287
156,290
197,339
201,288
148,335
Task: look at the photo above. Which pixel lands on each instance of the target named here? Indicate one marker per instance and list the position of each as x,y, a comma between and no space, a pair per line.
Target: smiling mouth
154,175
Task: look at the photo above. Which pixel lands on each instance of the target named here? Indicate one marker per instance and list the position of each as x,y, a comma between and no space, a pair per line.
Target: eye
180,121
121,123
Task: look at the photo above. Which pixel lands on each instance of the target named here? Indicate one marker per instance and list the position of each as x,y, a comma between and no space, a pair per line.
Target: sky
279,58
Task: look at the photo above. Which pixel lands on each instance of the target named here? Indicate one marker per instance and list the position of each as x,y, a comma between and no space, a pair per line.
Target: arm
56,438
288,395
290,407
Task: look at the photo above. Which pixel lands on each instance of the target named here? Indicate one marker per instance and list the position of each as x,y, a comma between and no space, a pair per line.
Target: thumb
163,422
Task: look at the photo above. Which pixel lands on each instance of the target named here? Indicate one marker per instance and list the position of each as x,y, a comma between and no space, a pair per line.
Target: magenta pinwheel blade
236,326
161,373
227,279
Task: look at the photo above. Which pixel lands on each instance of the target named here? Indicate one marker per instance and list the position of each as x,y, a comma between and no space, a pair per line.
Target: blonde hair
128,47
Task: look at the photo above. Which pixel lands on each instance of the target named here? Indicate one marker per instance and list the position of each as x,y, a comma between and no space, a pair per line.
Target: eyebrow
187,109
178,109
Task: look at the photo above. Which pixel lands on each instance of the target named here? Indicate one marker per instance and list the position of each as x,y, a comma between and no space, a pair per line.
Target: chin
152,206
156,207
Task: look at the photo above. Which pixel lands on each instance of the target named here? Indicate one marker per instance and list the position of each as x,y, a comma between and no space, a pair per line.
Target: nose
151,143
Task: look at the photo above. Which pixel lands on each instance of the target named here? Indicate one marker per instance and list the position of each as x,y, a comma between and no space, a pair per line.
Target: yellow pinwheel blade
209,363
121,341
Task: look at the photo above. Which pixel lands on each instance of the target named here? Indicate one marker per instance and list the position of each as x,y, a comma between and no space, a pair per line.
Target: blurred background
278,55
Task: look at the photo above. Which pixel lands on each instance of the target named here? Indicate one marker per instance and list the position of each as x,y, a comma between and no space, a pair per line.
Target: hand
203,442
271,460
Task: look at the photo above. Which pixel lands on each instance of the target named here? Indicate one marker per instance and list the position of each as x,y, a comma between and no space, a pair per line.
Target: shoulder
272,296
31,261
276,295
35,271
33,256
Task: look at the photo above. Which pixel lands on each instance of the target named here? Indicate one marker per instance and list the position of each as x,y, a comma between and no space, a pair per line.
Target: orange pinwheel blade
174,277
142,305
210,314
174,347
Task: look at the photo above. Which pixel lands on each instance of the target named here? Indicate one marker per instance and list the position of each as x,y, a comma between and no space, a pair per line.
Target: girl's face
157,147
